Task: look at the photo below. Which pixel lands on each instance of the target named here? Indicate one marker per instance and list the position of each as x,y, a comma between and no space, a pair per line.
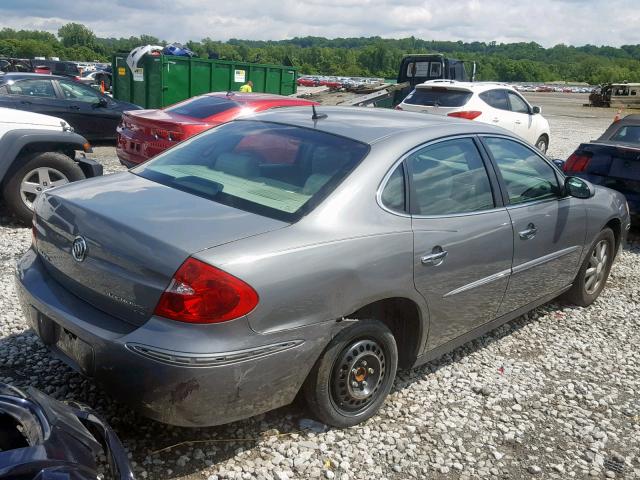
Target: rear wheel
594,271
542,143
353,376
36,173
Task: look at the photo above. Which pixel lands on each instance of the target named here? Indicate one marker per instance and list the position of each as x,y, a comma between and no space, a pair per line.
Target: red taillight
577,162
200,293
469,115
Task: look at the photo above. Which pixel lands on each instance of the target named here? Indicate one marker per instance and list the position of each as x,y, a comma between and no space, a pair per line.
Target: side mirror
558,163
536,110
103,102
579,188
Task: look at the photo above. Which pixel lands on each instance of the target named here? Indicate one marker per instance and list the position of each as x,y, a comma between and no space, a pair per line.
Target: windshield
438,97
280,171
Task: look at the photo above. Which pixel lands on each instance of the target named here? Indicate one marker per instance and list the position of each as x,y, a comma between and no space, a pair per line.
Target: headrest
238,164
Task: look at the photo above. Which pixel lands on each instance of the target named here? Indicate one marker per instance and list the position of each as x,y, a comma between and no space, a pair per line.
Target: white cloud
547,22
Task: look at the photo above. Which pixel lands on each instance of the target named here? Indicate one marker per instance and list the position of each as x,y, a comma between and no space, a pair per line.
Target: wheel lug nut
371,371
364,383
354,371
364,363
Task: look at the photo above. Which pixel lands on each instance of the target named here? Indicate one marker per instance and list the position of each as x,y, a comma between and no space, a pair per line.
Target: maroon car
146,133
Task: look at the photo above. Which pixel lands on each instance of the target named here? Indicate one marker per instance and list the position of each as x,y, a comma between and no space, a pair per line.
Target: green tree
76,35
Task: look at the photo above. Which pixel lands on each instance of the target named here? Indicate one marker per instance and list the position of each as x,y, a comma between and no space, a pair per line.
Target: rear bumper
230,372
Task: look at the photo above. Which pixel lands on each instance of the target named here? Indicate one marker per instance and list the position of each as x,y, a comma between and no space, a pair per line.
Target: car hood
10,115
137,233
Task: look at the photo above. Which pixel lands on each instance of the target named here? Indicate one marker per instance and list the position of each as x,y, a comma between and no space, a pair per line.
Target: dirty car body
347,226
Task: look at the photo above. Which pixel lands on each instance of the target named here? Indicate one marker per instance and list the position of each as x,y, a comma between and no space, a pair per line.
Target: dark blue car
613,160
92,114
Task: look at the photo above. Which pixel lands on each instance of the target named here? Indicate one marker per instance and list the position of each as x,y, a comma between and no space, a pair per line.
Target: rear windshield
627,134
202,107
438,97
275,170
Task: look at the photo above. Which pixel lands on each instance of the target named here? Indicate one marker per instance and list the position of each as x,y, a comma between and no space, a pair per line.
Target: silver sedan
302,250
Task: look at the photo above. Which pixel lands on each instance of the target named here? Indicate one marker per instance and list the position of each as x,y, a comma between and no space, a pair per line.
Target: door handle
74,107
496,120
435,258
25,102
518,122
529,233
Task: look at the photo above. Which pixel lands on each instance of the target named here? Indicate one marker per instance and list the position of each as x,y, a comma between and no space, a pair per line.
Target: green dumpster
164,80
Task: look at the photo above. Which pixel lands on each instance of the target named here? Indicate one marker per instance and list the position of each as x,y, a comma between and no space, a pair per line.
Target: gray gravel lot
553,394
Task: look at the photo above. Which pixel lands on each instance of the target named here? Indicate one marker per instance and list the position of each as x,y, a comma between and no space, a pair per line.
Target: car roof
472,86
370,125
23,75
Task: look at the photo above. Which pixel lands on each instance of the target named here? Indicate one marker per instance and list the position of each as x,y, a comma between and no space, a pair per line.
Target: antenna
315,115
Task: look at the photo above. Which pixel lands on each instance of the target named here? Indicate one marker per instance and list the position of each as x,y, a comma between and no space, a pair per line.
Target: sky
547,22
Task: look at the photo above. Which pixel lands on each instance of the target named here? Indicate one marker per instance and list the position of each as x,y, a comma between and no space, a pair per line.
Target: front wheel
354,374
594,271
36,173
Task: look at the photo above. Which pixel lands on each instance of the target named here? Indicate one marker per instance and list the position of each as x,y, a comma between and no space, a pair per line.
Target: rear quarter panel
604,206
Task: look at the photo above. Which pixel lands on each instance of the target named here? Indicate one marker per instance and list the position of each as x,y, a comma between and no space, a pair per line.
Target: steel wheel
597,269
357,376
37,181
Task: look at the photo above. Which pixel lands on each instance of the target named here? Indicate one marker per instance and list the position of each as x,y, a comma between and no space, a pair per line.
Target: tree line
363,56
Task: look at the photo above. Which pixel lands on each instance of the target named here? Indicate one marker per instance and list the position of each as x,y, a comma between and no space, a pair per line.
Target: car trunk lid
137,233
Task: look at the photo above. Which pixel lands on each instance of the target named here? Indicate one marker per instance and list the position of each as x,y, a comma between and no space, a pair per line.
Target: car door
89,115
462,236
36,95
499,113
548,227
523,118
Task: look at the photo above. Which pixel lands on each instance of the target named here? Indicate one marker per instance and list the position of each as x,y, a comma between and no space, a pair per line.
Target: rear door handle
435,258
25,102
496,120
518,122
74,107
529,233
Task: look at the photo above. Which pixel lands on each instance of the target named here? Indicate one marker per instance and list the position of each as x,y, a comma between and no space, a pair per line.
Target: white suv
493,103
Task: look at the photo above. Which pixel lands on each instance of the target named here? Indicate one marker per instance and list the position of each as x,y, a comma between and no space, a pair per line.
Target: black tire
26,164
542,143
365,346
581,293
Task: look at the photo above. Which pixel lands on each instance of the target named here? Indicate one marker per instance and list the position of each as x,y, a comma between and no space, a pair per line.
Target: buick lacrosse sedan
295,251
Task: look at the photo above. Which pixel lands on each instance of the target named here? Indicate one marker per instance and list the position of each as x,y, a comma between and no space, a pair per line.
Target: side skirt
482,329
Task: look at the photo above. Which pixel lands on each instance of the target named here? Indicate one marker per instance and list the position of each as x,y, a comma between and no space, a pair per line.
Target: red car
142,134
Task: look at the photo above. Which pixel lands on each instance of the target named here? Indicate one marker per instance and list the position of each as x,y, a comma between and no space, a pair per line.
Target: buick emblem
79,249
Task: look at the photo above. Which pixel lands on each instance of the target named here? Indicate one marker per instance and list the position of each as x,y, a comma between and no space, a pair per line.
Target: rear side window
203,107
627,134
393,195
271,169
496,99
440,97
449,177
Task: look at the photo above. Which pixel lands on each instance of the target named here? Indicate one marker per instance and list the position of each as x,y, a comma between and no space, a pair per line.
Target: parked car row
336,83
552,88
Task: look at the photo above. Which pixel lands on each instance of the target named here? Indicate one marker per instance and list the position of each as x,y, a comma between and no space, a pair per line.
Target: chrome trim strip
185,359
479,283
544,259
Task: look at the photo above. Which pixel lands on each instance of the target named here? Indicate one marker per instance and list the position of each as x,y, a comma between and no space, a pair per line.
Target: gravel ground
553,394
